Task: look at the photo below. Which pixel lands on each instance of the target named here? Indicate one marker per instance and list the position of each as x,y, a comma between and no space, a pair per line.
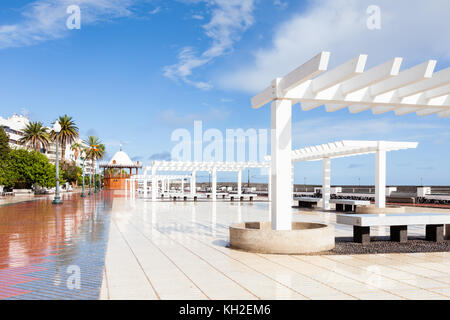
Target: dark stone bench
398,223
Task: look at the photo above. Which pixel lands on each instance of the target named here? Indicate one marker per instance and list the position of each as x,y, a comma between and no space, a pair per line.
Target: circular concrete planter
374,210
304,238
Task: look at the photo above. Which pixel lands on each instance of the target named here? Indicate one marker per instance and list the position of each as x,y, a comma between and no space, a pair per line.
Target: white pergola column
239,182
145,188
269,186
132,188
182,185
193,182
326,183
292,183
214,184
154,185
380,178
281,148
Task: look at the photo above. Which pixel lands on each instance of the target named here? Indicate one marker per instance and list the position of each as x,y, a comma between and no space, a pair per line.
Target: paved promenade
110,247
53,252
169,250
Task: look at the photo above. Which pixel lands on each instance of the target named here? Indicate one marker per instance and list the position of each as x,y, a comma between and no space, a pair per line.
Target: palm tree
67,135
36,136
95,150
77,149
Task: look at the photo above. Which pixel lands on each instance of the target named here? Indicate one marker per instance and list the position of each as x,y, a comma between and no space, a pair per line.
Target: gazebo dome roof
121,159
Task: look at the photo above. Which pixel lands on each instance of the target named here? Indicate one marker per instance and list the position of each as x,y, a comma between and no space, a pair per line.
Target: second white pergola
194,167
165,180
381,89
349,148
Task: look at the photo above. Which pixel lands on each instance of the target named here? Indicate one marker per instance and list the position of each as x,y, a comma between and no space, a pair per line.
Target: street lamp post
90,182
95,182
99,182
57,130
83,157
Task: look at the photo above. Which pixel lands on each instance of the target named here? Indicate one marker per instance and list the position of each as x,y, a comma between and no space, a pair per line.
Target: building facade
14,127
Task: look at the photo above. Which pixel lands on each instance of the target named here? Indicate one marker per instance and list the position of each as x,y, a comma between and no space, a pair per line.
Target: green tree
70,171
68,134
25,168
95,151
4,154
35,136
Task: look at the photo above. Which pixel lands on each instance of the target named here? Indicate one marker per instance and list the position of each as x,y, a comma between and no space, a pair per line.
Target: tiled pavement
41,244
167,250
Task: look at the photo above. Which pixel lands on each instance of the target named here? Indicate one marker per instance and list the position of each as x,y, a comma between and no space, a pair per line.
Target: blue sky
139,69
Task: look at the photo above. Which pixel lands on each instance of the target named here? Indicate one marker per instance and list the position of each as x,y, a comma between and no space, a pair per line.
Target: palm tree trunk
63,152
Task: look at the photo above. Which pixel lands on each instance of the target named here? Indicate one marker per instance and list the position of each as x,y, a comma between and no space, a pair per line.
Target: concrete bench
242,197
307,202
348,204
398,223
221,195
181,196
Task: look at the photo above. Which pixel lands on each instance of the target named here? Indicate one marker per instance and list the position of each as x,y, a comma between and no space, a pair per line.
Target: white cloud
280,4
155,11
197,17
45,20
415,29
171,117
229,18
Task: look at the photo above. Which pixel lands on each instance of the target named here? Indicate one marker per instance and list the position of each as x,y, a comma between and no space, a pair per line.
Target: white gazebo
151,172
380,89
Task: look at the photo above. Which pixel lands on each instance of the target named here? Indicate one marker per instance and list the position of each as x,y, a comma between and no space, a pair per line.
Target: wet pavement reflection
54,252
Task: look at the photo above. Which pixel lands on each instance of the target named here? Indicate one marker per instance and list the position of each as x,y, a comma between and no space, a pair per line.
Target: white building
14,127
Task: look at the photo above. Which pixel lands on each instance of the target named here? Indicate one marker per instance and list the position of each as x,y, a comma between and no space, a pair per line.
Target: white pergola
144,179
381,89
349,148
193,167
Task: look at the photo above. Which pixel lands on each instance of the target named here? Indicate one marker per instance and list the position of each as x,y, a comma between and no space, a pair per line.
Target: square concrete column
193,182
132,188
292,183
281,148
269,186
145,187
380,178
239,182
326,183
214,184
155,186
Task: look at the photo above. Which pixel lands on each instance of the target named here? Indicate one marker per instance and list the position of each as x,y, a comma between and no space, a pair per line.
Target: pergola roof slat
407,77
346,148
204,166
341,73
381,89
439,79
372,76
